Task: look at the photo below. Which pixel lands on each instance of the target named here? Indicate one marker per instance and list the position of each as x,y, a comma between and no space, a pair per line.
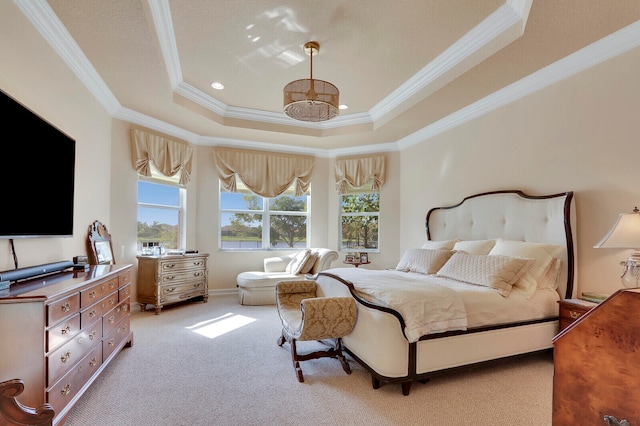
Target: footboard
378,343
377,340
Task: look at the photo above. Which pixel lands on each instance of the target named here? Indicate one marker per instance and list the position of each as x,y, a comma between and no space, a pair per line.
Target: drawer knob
66,307
93,362
93,313
65,330
92,294
66,389
65,357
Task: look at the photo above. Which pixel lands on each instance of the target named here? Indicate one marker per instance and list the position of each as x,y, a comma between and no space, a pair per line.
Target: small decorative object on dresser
169,279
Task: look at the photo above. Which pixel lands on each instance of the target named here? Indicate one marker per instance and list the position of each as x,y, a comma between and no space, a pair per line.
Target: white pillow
497,272
311,261
439,245
540,252
423,261
475,246
298,261
550,279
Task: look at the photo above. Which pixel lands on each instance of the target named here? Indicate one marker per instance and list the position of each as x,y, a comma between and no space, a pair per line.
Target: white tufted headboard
512,215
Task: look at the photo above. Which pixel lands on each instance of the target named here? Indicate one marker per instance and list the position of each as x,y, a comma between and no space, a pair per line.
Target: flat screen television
38,168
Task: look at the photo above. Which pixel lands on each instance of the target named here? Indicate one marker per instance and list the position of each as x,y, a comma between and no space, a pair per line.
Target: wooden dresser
60,331
597,364
169,279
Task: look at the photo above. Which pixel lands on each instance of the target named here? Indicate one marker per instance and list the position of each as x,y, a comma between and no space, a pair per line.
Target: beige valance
265,174
168,156
360,171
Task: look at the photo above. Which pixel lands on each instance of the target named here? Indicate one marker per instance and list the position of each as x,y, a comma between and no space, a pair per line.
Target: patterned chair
306,317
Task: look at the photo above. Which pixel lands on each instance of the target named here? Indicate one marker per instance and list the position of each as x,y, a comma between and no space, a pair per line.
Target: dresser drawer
124,292
177,292
92,294
114,316
61,332
97,310
182,264
125,278
63,391
181,276
63,359
63,308
115,338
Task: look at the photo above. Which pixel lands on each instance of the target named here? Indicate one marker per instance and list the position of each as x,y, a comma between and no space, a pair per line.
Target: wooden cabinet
572,309
597,364
169,279
60,331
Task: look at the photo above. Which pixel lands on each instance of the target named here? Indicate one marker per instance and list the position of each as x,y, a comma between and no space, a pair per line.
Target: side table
572,309
356,264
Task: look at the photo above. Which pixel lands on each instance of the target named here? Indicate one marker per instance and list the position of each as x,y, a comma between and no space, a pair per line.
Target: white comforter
430,304
426,307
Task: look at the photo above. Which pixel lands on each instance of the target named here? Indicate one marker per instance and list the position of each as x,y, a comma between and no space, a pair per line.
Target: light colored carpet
178,372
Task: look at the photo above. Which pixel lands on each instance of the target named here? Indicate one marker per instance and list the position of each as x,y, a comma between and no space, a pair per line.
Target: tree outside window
249,221
359,221
160,212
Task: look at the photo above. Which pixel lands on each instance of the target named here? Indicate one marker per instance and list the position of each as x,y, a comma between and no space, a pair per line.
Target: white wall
34,75
581,135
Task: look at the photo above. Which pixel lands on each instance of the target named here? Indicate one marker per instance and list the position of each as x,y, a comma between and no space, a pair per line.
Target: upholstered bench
259,287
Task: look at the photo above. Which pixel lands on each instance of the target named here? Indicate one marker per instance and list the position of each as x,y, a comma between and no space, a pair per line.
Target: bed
484,286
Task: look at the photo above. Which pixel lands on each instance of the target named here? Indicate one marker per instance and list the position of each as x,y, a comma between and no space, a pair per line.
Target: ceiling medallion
308,99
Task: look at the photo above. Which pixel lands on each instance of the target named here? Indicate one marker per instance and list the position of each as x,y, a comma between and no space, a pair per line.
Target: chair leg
340,356
296,363
281,339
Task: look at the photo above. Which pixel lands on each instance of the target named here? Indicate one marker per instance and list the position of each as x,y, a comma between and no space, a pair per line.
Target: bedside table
572,309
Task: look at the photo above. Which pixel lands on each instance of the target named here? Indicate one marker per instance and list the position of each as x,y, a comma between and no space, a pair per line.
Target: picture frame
364,258
350,258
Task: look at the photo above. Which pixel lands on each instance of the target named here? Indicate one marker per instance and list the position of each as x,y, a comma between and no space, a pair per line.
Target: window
359,213
248,221
160,215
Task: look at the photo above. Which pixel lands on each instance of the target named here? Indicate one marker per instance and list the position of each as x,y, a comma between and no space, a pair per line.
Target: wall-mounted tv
38,169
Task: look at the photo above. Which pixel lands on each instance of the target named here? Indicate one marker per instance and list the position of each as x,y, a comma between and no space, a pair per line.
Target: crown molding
47,23
600,51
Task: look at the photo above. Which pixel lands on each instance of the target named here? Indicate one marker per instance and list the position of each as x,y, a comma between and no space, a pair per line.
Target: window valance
357,172
265,174
168,156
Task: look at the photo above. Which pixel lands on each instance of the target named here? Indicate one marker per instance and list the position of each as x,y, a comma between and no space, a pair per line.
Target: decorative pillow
439,245
475,246
550,279
308,265
298,261
497,272
540,252
423,261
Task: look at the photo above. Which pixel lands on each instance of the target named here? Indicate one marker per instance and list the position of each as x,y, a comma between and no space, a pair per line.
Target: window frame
266,213
351,192
159,179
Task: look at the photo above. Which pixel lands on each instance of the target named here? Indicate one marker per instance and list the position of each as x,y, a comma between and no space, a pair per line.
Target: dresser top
48,286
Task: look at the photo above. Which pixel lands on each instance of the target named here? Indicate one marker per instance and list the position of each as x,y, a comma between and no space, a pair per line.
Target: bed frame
377,340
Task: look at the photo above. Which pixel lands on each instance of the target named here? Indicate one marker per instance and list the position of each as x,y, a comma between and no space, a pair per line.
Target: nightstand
572,309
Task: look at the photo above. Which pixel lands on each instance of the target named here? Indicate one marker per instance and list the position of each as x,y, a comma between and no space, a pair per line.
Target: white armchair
259,287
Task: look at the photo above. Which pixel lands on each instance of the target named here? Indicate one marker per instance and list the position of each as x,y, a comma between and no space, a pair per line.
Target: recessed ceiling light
217,86
343,106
